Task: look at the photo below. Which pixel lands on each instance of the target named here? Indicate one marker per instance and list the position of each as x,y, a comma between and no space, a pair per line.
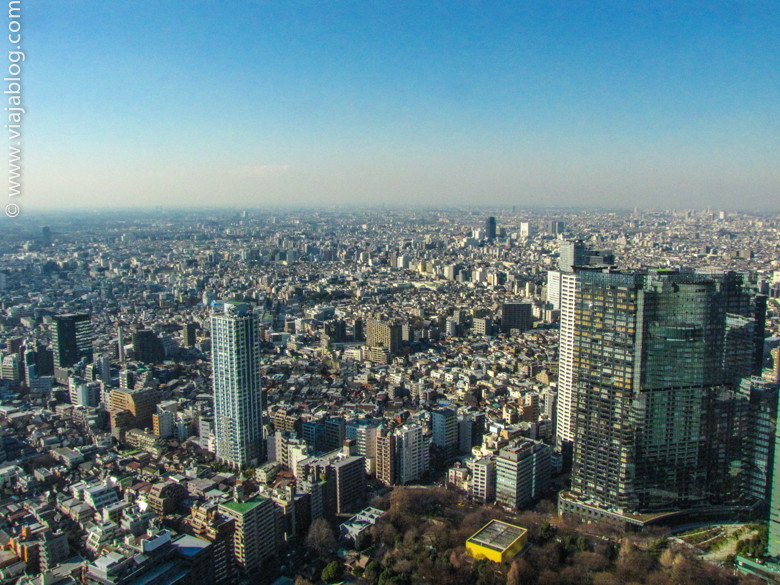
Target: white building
235,362
412,453
554,289
565,430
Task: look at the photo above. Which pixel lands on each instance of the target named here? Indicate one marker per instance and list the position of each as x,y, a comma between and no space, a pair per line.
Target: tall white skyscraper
235,362
554,289
564,430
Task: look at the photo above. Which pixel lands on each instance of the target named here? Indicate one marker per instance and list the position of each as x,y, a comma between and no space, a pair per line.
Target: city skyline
266,104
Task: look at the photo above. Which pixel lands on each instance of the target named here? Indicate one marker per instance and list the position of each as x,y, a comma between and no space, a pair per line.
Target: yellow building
497,541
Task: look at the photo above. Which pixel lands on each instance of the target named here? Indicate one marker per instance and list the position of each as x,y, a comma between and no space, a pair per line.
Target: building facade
655,409
72,336
238,411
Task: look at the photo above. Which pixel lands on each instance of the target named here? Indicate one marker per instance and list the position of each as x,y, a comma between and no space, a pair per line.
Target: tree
320,538
332,572
372,571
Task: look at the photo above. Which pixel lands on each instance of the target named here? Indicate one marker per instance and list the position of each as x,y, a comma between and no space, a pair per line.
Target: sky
401,103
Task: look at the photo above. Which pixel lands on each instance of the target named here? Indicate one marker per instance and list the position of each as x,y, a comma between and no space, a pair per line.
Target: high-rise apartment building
72,336
254,538
235,357
564,429
412,453
383,335
482,487
654,404
386,457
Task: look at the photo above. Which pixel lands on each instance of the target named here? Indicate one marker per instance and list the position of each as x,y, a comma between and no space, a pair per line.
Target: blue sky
650,104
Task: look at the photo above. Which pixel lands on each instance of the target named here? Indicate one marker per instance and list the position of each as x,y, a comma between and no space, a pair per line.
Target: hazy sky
427,103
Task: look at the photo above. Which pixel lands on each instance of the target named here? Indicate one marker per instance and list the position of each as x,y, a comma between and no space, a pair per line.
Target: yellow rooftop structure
497,541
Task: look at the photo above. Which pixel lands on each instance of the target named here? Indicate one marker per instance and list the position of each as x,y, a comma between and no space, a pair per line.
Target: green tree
332,572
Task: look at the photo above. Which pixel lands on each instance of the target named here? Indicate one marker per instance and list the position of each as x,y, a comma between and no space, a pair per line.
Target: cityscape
390,293
242,397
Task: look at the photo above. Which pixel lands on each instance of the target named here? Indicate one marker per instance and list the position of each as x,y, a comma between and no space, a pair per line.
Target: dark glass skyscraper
72,336
490,228
656,414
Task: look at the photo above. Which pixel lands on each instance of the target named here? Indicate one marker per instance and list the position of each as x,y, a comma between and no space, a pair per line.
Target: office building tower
445,432
760,421
147,347
516,316
46,236
572,253
773,542
555,227
655,410
523,472
72,336
526,231
189,334
313,433
490,228
335,433
120,345
238,412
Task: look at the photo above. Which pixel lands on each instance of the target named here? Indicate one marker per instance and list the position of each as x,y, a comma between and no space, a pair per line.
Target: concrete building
236,380
72,337
254,539
523,472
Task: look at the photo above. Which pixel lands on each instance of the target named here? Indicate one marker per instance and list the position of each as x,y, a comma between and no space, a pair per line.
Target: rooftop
497,535
243,507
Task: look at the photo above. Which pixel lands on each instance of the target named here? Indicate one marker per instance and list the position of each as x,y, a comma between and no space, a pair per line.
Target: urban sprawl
194,397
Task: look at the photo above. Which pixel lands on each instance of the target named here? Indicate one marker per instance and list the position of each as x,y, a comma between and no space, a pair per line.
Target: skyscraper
564,430
490,228
572,253
654,401
516,316
555,227
72,336
235,357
